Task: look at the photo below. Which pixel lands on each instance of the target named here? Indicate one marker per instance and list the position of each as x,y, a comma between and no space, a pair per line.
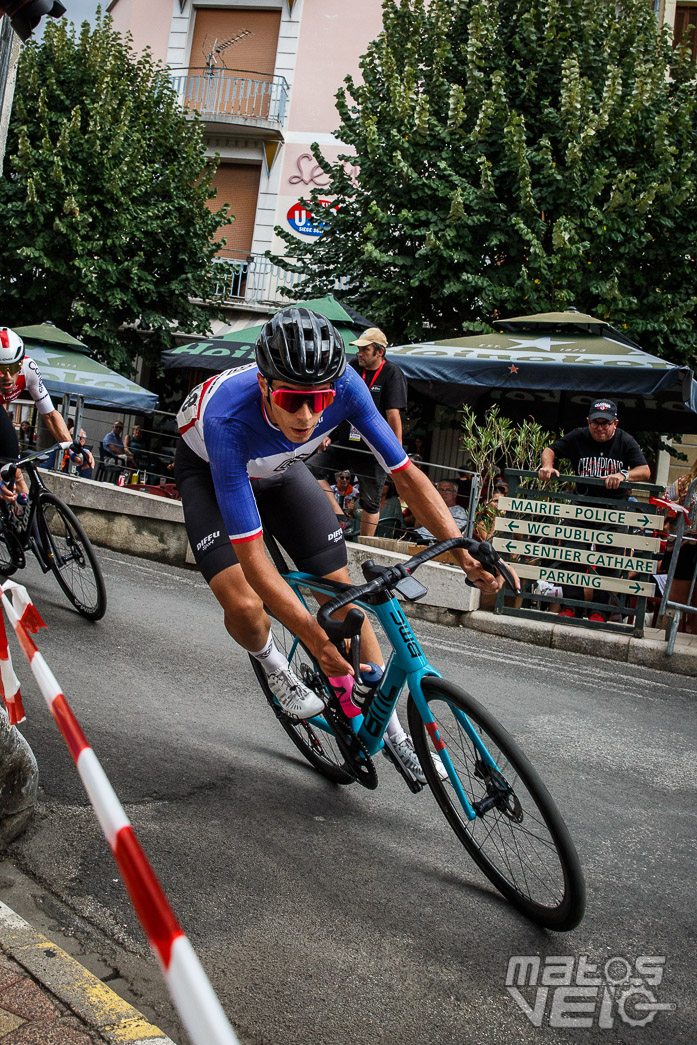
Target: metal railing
669,608
237,276
232,93
250,277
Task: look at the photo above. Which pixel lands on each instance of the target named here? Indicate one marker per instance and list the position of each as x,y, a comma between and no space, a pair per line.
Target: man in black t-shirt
388,388
600,450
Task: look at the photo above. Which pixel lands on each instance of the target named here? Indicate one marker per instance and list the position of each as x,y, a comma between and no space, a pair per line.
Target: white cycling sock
270,656
395,730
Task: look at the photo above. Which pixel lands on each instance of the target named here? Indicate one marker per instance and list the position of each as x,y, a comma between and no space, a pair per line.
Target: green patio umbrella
237,347
68,369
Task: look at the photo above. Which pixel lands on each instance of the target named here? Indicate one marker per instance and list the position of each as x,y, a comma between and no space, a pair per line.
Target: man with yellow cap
388,388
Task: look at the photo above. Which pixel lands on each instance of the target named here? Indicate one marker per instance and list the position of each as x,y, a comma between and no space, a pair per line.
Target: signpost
557,539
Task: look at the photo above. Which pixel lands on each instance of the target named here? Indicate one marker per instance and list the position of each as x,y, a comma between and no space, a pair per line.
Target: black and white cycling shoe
294,697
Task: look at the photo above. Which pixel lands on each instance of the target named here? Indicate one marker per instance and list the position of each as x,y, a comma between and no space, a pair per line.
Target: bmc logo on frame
571,992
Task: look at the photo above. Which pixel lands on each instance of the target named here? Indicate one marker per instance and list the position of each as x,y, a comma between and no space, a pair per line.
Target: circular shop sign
301,221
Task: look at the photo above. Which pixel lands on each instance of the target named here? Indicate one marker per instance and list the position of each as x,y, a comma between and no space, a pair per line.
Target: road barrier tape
192,994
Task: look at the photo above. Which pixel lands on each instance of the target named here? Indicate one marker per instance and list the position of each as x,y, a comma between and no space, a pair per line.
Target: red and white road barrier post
192,994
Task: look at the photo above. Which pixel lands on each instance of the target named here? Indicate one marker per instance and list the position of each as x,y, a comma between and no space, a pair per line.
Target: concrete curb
649,652
84,994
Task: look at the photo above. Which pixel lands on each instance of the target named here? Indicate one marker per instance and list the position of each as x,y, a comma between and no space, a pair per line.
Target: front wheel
71,557
518,837
317,745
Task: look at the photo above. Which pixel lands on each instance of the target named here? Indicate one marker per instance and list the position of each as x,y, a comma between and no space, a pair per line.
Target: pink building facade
263,75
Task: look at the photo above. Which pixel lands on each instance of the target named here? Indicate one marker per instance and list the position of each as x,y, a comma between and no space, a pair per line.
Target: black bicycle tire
7,566
99,609
569,909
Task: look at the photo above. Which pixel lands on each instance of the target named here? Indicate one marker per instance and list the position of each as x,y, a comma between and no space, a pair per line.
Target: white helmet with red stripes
11,347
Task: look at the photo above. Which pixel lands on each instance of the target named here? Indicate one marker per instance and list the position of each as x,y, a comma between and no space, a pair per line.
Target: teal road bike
492,798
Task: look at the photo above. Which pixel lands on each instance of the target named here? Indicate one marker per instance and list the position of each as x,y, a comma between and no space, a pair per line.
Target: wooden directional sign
581,513
560,531
585,580
574,556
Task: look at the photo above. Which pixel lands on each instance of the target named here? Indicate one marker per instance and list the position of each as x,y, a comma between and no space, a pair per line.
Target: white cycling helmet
11,347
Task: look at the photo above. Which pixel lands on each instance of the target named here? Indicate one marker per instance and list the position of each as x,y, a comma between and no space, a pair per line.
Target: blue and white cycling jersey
224,421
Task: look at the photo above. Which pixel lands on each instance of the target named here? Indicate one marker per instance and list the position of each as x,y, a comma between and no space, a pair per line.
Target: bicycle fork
440,748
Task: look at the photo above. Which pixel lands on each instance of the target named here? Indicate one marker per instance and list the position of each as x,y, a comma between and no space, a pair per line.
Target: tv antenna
217,49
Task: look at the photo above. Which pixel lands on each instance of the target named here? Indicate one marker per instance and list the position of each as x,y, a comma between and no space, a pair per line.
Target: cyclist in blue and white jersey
245,435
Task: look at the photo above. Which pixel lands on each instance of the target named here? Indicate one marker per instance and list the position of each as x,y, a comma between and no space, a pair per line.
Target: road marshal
585,580
561,532
581,513
606,560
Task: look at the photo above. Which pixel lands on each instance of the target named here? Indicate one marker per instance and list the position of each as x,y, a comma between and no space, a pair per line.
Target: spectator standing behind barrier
388,388
687,556
601,450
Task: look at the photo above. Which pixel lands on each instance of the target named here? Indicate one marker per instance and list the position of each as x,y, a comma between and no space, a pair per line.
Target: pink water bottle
343,687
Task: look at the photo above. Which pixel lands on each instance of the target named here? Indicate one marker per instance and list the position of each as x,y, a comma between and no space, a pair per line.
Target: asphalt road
336,915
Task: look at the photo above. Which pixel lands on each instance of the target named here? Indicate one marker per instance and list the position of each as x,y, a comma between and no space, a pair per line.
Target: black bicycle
48,528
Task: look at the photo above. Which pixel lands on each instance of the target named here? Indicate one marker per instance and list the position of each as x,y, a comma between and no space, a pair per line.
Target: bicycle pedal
412,783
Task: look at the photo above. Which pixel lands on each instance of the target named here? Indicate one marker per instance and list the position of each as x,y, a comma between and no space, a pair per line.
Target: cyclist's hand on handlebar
331,662
6,493
489,572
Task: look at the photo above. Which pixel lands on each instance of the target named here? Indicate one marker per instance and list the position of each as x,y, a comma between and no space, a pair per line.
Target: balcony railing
252,277
231,93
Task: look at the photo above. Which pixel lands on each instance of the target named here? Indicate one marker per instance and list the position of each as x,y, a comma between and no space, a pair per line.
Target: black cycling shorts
293,507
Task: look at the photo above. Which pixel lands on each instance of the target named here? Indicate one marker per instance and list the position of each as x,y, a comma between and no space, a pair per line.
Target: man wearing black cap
602,450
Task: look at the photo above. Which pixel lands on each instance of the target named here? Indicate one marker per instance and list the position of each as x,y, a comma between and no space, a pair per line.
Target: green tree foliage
516,156
106,230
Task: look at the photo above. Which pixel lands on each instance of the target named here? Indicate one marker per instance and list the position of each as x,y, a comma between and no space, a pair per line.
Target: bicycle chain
358,761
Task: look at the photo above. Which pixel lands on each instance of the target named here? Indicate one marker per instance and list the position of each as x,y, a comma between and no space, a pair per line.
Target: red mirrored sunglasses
291,400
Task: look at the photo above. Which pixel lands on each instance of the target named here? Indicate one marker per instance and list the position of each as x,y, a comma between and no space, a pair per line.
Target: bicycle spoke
517,837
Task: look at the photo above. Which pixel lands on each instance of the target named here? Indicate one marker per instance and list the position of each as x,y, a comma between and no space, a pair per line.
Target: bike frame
29,532
407,666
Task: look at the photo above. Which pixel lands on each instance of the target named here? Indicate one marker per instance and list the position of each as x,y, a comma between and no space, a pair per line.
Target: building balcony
237,278
228,97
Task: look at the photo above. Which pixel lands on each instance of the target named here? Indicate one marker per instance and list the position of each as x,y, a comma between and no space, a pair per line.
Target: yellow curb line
82,991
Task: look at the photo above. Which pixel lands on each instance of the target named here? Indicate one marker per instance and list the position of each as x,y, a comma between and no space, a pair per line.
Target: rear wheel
71,557
518,837
10,551
319,747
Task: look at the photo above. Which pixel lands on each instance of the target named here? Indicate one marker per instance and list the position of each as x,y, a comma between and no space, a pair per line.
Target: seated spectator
343,487
352,514
26,435
113,447
135,442
447,488
391,522
487,513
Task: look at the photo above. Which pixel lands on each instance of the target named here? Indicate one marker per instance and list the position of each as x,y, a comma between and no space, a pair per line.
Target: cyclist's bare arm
266,581
427,505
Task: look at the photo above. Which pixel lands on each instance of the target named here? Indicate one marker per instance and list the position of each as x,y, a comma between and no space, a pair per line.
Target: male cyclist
240,463
19,374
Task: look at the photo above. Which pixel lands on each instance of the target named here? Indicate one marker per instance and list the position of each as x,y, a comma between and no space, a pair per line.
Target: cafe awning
551,367
68,369
237,347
